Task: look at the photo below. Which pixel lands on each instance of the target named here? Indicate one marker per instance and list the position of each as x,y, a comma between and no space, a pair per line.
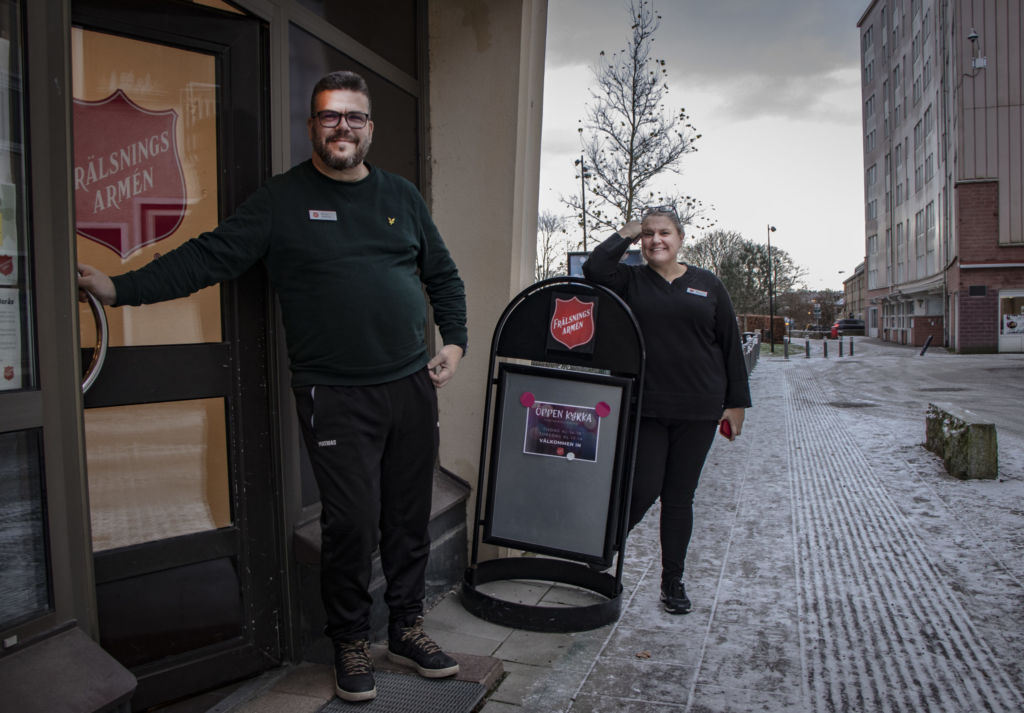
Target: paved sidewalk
834,565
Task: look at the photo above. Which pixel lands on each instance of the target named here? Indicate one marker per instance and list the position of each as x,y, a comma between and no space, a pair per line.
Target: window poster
10,339
561,430
9,250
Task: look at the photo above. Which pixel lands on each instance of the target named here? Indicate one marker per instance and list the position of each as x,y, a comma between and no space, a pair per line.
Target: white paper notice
10,339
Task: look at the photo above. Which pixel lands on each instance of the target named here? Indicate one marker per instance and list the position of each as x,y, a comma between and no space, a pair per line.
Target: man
348,248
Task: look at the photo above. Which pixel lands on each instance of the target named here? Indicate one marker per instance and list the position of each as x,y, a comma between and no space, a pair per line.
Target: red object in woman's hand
725,429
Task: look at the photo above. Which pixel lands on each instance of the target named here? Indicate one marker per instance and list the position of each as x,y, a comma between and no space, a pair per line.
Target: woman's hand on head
631,230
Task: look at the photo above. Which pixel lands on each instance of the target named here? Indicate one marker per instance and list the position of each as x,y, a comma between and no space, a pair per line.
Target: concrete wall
486,88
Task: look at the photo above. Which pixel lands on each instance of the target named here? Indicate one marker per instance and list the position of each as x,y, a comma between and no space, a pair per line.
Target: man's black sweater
348,261
694,366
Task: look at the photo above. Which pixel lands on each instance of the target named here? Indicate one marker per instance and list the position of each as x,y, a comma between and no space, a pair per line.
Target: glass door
168,122
1011,320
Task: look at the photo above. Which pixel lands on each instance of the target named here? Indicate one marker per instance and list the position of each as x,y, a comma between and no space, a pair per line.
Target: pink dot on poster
526,399
602,409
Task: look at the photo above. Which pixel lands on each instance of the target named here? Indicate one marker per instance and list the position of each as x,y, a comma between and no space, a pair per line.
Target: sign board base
550,619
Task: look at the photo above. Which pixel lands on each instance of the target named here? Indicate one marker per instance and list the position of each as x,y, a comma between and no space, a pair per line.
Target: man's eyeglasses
662,209
331,119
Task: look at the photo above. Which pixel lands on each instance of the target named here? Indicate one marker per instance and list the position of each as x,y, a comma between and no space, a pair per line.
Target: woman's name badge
323,215
695,291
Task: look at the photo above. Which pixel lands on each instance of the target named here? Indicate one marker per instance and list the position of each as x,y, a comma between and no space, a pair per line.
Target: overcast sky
773,86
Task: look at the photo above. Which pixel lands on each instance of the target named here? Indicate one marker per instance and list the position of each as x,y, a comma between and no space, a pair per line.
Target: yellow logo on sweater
391,221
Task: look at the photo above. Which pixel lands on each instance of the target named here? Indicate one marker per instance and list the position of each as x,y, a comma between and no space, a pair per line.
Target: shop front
147,526
1011,320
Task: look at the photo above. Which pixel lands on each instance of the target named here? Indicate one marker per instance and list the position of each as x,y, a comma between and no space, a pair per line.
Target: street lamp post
583,196
771,292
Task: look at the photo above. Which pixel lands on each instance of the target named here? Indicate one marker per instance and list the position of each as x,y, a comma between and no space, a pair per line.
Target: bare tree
745,274
713,250
629,138
552,246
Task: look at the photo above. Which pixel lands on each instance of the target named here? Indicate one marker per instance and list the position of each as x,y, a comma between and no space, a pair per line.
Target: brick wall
977,225
979,322
978,242
925,327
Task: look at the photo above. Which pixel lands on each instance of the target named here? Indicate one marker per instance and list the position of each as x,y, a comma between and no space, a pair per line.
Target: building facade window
901,256
888,256
930,231
919,156
919,230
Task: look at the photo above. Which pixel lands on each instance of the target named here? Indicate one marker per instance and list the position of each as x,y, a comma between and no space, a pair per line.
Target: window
919,230
918,90
888,256
869,141
873,244
25,583
900,254
929,120
869,35
926,25
872,174
929,168
869,72
927,72
23,559
869,107
872,213
918,155
930,237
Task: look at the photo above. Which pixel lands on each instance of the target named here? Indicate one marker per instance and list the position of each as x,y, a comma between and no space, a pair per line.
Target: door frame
247,383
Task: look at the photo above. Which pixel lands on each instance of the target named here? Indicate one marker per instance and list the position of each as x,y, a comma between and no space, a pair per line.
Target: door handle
99,352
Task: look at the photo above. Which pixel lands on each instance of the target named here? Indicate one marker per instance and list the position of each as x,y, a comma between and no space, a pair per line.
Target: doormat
404,693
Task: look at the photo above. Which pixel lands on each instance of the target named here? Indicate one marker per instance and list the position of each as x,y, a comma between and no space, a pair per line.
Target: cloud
832,97
773,57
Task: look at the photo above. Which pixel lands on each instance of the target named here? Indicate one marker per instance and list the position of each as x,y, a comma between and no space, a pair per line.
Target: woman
695,376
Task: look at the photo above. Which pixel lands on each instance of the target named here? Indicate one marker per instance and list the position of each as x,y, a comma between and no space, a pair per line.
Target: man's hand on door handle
96,282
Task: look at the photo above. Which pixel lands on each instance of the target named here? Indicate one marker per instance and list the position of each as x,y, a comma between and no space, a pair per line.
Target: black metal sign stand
561,415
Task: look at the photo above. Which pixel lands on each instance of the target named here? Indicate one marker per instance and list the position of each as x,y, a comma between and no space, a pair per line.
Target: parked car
847,326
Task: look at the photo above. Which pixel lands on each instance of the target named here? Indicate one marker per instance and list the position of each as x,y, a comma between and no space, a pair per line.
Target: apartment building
943,175
853,294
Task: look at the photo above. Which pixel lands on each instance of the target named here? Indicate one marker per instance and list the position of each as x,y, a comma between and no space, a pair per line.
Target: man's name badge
323,215
695,291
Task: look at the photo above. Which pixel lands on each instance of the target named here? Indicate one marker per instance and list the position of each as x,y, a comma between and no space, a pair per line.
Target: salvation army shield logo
129,185
572,324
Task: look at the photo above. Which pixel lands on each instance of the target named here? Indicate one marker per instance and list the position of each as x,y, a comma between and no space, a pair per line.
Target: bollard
851,346
807,349
927,343
785,348
840,347
824,347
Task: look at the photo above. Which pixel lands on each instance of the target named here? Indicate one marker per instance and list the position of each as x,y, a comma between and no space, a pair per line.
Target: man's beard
341,163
